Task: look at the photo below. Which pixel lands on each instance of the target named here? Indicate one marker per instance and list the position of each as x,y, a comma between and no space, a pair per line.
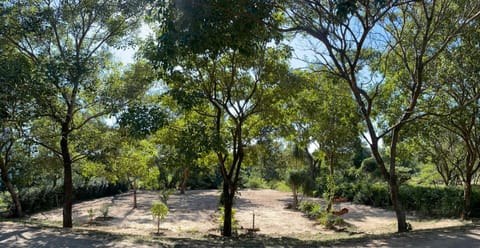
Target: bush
256,183
424,200
280,186
311,209
40,198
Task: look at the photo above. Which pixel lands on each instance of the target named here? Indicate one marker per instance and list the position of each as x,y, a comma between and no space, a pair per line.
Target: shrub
256,183
104,210
91,214
159,211
311,209
327,219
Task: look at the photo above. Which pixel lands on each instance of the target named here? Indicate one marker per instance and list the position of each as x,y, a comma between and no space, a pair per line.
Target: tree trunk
295,197
67,179
332,191
134,193
467,199
11,189
397,205
227,210
185,174
393,184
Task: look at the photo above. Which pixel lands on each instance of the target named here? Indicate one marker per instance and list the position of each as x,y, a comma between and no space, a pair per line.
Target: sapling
91,214
104,210
159,210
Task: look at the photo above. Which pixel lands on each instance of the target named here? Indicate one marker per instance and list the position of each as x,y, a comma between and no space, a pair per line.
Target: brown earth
195,215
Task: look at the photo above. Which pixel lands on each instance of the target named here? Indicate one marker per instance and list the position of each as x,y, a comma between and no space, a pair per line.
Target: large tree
216,52
459,110
67,42
412,34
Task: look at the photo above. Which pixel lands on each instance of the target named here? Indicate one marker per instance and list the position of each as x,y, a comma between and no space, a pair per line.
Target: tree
132,164
414,34
15,107
159,211
457,73
324,117
67,43
216,53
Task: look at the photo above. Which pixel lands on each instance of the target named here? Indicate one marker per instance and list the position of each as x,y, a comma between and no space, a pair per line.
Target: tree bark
11,189
185,174
331,194
227,209
393,184
467,198
295,197
67,179
397,206
135,193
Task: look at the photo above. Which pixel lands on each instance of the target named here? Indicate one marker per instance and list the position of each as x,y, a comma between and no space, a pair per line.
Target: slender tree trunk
67,179
185,174
135,193
331,193
397,206
393,184
227,209
11,189
467,198
295,197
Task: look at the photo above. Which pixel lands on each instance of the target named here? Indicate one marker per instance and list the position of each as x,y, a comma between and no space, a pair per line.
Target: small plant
91,214
159,211
104,210
165,194
327,219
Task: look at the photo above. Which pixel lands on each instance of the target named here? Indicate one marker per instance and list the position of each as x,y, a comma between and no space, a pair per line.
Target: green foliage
311,209
280,186
159,211
256,183
165,194
43,197
329,221
430,201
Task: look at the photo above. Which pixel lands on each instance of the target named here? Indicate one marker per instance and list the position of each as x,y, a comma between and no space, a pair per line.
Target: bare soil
195,215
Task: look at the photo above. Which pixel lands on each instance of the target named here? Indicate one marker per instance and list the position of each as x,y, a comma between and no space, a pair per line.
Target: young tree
415,33
67,43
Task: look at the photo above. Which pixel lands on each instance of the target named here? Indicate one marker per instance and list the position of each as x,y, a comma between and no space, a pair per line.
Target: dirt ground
195,215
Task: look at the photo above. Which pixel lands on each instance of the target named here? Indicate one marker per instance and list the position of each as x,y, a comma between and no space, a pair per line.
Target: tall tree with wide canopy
459,106
67,42
413,32
215,53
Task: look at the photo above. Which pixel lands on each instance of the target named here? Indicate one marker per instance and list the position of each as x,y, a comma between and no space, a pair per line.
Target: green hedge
36,199
424,200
